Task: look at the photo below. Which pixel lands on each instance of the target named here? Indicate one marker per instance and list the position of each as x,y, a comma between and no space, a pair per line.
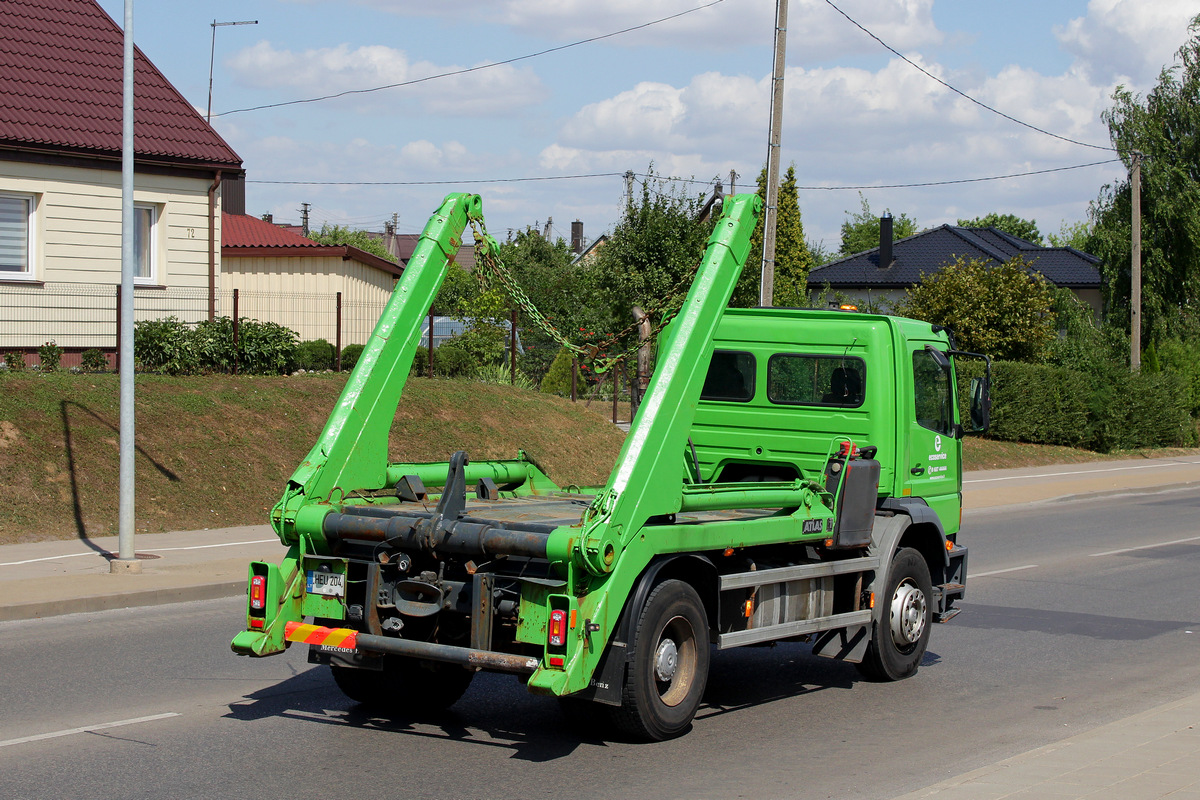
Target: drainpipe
212,246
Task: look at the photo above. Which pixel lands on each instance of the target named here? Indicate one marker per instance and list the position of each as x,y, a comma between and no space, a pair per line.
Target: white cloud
1128,40
494,91
815,30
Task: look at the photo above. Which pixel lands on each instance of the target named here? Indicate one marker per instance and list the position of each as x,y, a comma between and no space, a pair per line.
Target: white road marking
1000,571
86,729
155,550
1081,472
1144,547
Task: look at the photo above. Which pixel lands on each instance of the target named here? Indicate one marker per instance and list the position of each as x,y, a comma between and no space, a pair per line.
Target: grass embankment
216,451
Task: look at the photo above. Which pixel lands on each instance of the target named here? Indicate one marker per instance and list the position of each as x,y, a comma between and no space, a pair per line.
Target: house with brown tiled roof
282,277
61,70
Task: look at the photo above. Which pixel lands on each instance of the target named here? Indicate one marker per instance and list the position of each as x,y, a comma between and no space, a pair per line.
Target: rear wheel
902,634
405,686
669,665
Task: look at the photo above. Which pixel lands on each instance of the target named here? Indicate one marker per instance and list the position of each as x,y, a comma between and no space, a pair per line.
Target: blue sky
689,95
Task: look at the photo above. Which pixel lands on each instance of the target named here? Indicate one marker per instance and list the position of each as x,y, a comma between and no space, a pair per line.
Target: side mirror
981,405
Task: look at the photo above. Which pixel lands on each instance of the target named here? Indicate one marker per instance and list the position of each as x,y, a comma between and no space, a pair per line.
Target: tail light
258,592
557,633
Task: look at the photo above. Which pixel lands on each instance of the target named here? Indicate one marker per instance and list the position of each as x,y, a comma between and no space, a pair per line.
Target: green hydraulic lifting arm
351,453
648,478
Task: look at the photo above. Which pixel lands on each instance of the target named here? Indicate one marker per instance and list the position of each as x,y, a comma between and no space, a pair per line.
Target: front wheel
902,634
668,667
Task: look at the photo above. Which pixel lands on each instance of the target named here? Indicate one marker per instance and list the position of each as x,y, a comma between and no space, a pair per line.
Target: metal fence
80,316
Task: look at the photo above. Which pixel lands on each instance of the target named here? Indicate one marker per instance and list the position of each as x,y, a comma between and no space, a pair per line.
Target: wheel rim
675,661
909,614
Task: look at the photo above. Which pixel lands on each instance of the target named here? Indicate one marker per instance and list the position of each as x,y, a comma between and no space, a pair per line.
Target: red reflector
256,623
558,628
258,592
556,661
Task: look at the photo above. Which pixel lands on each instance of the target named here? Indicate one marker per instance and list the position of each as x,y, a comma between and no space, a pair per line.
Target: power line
474,69
928,183
442,183
930,75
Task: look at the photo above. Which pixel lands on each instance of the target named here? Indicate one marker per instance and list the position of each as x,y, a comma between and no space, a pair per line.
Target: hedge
1114,409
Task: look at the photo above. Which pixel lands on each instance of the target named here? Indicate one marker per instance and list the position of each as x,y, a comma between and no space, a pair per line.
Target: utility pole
733,176
767,287
304,218
126,560
628,188
1135,281
212,55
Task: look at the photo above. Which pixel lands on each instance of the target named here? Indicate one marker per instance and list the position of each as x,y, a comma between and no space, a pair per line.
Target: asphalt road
1078,614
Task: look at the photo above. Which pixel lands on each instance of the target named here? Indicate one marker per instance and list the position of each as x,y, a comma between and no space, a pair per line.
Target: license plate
332,584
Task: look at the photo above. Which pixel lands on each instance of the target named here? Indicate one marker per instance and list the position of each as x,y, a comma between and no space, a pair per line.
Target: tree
340,235
1011,224
1004,311
1164,128
649,259
1071,234
861,231
544,271
793,259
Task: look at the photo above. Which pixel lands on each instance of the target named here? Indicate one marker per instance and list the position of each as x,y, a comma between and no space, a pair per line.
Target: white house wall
301,293
76,260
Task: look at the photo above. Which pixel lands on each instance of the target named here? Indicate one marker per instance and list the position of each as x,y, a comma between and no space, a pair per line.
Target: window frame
947,399
862,371
30,271
152,277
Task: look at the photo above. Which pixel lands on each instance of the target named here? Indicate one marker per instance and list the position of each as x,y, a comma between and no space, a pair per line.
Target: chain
485,256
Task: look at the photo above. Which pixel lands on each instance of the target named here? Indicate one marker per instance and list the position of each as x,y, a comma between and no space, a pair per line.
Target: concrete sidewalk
1155,754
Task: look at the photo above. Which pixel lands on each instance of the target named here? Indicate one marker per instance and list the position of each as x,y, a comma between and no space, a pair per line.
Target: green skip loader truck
791,475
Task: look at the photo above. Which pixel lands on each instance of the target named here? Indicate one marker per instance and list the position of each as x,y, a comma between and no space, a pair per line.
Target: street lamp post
212,54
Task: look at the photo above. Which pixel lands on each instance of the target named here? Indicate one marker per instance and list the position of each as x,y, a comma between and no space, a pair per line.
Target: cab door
933,469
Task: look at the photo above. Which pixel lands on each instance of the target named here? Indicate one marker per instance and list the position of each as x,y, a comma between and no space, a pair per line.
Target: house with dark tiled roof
293,281
61,81
881,276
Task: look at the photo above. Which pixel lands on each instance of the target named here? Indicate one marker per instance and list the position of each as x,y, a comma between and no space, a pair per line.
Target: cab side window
794,379
730,377
932,398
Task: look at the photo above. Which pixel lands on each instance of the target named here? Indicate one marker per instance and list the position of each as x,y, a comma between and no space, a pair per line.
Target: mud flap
608,681
844,644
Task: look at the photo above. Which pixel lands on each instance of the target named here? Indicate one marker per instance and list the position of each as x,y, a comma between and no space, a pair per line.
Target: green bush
14,360
501,374
213,343
165,345
171,346
93,361
420,364
558,377
451,360
49,356
1110,409
314,355
265,348
350,355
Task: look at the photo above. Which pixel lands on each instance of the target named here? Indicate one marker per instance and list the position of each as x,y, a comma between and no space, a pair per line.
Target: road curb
134,599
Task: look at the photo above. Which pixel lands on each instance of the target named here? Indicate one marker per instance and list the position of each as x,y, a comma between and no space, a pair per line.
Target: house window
16,235
145,243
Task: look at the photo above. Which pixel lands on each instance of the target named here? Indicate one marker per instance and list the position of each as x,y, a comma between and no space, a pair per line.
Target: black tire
902,632
668,667
405,687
